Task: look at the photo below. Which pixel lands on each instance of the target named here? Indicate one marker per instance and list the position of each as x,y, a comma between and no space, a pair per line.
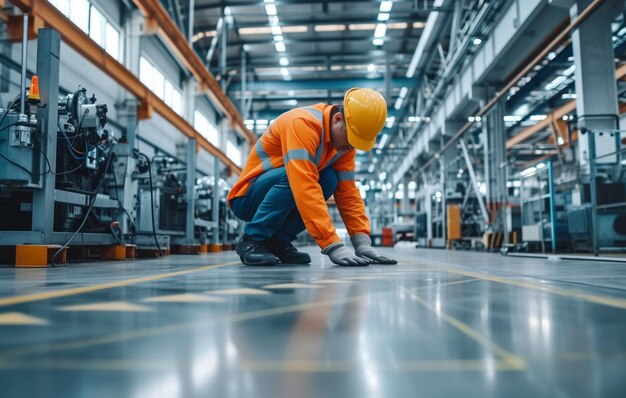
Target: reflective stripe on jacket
300,141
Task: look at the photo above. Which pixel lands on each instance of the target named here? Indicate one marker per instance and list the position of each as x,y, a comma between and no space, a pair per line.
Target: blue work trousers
270,208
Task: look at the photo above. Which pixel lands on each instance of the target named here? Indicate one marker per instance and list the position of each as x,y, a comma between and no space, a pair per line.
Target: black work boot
286,252
254,252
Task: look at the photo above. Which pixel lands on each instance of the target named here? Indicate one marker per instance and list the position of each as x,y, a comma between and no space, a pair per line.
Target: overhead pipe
501,93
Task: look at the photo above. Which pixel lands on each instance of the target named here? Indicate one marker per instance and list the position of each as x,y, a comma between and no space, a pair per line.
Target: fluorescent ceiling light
371,68
280,46
278,38
381,30
270,9
383,16
262,121
398,105
540,166
274,21
555,83
296,29
569,70
371,168
560,140
569,96
385,6
383,141
269,1
284,61
276,31
255,31
538,118
418,25
397,25
378,42
382,176
414,119
284,71
477,41
390,121
329,28
403,92
512,118
248,121
362,26
529,171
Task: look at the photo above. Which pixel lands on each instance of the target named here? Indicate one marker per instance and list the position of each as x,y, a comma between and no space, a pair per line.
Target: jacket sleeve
348,197
299,145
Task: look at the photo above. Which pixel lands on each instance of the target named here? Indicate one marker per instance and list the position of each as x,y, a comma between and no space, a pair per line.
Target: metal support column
191,195
595,78
192,6
552,207
48,52
470,169
215,205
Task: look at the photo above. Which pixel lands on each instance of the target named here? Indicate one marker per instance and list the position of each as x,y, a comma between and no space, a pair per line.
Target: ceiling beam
286,21
323,84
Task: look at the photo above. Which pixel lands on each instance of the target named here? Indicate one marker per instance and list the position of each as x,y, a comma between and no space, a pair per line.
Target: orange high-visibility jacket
300,141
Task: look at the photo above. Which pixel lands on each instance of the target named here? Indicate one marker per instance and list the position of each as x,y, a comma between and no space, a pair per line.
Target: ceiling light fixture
329,28
284,61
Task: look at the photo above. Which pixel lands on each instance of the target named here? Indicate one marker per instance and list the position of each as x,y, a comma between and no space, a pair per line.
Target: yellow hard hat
365,111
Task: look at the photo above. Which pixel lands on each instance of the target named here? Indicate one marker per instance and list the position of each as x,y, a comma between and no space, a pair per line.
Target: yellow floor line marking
243,291
29,298
592,298
288,366
230,318
508,357
111,306
184,298
17,318
291,286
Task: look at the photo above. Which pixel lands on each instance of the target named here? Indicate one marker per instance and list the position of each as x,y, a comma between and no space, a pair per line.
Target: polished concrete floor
439,324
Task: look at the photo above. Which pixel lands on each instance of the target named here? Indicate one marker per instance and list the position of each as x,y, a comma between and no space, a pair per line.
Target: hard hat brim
359,143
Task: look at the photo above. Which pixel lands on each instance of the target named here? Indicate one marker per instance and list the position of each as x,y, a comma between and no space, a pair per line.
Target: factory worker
306,156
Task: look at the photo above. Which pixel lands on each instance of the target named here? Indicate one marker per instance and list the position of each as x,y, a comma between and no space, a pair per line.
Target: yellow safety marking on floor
111,306
29,298
331,281
508,357
184,298
592,298
17,318
179,327
242,291
261,366
290,286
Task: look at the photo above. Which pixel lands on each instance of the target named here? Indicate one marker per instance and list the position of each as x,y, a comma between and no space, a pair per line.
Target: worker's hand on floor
363,248
341,255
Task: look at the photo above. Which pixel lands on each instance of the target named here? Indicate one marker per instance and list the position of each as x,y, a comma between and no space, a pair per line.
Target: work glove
363,248
341,255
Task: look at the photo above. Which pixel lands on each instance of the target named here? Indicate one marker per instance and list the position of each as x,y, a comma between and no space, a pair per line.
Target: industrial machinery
203,216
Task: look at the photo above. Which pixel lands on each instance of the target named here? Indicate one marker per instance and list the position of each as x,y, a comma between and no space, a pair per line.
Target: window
93,22
205,128
112,41
79,14
96,29
160,85
233,152
62,5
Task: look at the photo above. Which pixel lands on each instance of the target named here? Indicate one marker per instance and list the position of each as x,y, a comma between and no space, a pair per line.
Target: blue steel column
191,195
48,51
552,209
595,77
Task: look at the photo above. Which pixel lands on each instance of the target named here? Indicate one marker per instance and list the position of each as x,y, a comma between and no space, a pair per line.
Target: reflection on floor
439,324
